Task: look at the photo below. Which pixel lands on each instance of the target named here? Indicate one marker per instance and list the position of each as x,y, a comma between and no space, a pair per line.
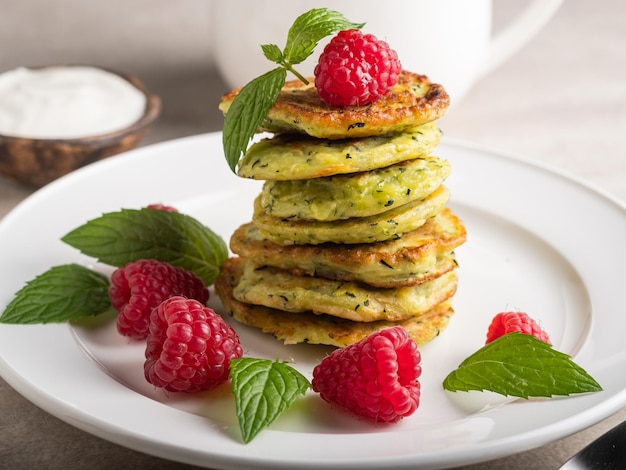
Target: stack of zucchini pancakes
351,232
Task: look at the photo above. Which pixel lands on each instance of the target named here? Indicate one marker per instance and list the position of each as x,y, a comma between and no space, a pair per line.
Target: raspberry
161,207
376,378
509,322
139,286
189,347
355,69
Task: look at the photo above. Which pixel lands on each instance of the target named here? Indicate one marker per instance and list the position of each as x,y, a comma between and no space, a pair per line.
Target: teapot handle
519,32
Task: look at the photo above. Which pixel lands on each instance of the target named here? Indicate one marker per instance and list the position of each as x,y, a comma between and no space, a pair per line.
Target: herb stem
290,68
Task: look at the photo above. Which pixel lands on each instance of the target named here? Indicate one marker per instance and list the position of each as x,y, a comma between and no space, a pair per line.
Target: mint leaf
120,237
250,106
263,389
248,111
309,29
272,52
520,365
62,293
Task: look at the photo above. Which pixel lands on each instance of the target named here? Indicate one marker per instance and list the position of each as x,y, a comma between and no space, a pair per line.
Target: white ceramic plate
538,241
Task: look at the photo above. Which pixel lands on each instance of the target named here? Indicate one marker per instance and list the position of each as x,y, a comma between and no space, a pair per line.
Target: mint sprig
522,366
117,238
263,389
62,293
250,106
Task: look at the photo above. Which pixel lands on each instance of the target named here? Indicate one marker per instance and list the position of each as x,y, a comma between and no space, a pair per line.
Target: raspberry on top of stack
351,233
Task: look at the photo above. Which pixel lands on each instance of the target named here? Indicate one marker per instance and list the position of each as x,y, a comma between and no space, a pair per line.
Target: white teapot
450,41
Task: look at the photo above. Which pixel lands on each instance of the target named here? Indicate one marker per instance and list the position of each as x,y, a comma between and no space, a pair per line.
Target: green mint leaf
272,52
62,293
250,106
248,111
263,389
310,28
520,365
120,237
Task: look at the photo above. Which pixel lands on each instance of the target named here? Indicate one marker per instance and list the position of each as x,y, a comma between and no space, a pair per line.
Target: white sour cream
66,102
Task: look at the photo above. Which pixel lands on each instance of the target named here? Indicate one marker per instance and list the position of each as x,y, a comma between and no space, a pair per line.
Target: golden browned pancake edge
415,257
293,328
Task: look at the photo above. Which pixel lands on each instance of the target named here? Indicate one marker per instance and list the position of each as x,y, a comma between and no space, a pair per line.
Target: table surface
560,101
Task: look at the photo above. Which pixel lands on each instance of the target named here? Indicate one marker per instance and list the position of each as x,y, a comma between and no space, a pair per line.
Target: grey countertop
560,101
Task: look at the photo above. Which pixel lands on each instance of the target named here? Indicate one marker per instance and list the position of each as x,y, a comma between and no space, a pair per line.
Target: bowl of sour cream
56,119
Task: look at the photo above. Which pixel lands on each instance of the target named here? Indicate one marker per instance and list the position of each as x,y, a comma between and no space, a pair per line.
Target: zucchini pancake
350,233
411,102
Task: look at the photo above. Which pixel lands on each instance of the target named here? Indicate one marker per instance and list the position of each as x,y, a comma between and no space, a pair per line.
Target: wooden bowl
36,162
